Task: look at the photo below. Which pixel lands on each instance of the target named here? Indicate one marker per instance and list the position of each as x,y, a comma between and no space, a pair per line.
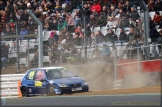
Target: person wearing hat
61,24
68,7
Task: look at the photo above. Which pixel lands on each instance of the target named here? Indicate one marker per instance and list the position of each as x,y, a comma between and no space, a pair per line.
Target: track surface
98,100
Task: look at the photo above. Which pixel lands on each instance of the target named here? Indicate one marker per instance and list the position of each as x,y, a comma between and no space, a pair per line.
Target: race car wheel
51,91
24,92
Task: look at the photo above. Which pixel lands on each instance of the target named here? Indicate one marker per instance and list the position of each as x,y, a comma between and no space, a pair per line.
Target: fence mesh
70,37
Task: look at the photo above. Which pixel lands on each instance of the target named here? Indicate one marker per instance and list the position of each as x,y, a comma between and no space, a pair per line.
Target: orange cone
19,91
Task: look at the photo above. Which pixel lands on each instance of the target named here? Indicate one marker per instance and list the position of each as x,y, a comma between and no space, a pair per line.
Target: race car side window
40,75
30,75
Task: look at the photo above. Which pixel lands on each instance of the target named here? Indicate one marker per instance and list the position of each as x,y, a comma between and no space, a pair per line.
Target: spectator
99,37
45,48
34,60
78,18
110,36
110,23
116,22
4,55
123,36
96,6
23,32
123,22
154,35
157,18
151,23
127,6
58,7
25,16
18,16
113,10
54,55
133,33
158,5
61,24
93,38
105,53
69,39
151,5
160,41
109,12
10,8
78,36
52,39
121,12
102,20
22,6
88,12
134,14
104,10
71,52
68,7
2,5
93,21
46,25
120,5
70,23
53,25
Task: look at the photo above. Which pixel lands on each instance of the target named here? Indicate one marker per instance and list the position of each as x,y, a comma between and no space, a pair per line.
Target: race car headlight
62,85
84,83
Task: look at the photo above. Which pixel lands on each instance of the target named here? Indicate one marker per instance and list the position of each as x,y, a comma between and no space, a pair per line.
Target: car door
40,86
29,81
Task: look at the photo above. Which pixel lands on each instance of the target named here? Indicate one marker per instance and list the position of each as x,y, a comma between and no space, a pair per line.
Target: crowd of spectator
113,14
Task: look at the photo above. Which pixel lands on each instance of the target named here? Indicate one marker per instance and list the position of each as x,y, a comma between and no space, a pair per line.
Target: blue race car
51,80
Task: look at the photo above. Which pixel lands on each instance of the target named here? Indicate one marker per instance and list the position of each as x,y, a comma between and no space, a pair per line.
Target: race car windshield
54,74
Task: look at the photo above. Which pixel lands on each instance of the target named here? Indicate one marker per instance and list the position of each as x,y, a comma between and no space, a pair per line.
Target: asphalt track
73,101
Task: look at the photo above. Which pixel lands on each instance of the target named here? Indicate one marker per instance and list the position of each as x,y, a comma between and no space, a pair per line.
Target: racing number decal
38,83
31,75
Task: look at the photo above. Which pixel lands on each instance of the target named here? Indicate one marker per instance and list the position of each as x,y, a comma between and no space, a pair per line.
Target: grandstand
61,19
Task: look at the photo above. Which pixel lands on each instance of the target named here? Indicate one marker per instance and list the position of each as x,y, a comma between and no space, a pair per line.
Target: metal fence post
139,61
115,65
28,54
17,43
40,37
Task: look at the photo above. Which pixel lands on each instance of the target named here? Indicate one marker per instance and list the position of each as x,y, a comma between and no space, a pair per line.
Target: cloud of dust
97,74
136,79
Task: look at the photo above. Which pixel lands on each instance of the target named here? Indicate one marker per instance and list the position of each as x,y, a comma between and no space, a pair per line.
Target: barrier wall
9,85
125,67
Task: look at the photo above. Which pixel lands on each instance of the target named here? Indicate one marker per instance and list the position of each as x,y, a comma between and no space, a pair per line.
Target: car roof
47,68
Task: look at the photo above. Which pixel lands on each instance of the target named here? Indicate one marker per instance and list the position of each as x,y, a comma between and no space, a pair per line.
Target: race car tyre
51,91
24,92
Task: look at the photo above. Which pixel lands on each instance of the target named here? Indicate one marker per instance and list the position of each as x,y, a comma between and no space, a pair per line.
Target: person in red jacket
157,18
96,6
